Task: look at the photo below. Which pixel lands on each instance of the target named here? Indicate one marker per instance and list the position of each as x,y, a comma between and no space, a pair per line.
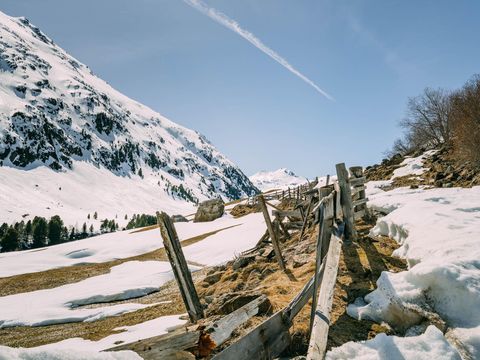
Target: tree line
41,232
444,117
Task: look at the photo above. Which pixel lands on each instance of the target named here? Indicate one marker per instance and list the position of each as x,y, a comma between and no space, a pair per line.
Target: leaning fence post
179,265
271,231
346,201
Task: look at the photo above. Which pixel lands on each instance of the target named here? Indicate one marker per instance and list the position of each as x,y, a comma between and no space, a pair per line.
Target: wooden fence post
346,201
271,230
179,265
358,188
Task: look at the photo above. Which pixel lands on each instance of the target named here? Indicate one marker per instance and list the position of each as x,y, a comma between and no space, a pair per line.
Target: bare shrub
465,115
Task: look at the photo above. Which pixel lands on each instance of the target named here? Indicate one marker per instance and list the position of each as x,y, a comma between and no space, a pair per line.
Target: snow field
439,233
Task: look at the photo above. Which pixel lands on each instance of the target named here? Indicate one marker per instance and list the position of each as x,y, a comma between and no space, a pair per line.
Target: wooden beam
303,296
305,220
222,329
358,181
321,323
265,342
358,189
150,348
180,267
273,236
346,201
359,202
187,338
287,213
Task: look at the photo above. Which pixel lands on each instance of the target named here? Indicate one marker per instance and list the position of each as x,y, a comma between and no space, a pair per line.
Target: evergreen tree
10,240
88,216
28,228
91,229
3,229
72,234
95,215
55,226
84,229
39,231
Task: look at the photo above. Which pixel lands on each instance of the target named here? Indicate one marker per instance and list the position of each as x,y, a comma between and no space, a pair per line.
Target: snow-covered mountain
278,179
60,124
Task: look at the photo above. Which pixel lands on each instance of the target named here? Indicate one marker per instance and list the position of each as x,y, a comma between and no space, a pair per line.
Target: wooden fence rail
334,208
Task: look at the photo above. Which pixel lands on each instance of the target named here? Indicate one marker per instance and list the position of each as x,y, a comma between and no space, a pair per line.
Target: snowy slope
57,117
278,179
439,233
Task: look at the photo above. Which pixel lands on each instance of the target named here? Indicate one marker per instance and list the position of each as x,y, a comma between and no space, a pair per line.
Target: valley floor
408,287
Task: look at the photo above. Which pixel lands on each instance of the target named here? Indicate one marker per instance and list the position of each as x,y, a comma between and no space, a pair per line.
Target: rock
300,260
179,218
414,186
210,210
242,261
213,278
448,185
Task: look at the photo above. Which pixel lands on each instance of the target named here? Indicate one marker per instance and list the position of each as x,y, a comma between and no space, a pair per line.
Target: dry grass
361,263
66,275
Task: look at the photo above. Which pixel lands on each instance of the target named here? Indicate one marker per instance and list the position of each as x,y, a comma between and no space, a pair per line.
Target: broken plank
321,323
265,342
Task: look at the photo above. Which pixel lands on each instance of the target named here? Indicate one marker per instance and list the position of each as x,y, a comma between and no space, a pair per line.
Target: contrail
224,20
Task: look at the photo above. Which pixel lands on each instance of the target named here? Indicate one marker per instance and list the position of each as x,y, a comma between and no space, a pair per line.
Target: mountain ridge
56,112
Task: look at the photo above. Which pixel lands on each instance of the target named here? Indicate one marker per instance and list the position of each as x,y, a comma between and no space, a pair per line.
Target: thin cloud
230,24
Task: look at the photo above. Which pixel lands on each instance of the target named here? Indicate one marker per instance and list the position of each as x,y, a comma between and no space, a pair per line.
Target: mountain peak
55,113
278,179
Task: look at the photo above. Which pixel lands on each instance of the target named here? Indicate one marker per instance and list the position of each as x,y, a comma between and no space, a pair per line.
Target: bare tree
466,121
428,122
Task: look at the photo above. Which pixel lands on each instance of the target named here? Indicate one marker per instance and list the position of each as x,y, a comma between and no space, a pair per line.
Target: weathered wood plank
359,202
179,266
221,330
287,213
273,236
180,339
318,338
265,342
358,181
304,295
346,201
358,189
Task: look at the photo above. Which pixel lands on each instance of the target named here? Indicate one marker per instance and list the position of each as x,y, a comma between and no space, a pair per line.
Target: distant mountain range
278,179
59,123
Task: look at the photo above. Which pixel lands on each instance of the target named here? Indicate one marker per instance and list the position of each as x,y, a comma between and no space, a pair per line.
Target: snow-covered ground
123,244
60,305
412,165
429,346
86,349
439,233
278,179
125,281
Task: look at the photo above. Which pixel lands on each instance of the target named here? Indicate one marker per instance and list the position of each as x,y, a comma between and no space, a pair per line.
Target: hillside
61,127
278,179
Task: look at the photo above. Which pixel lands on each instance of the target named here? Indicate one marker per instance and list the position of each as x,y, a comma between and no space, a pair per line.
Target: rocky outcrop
179,218
210,210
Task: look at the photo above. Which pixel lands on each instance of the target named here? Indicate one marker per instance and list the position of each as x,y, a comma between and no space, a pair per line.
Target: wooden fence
334,208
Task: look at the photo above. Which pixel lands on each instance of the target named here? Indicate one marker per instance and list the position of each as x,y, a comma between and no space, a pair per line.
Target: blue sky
369,55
